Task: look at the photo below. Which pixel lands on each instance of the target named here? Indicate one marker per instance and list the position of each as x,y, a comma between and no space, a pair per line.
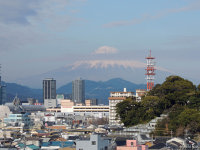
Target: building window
80,149
106,148
131,143
93,142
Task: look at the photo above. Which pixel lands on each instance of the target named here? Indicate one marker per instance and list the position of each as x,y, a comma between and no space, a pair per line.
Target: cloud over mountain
105,50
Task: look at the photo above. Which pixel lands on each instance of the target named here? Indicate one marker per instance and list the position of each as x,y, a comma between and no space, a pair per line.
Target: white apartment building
114,99
139,93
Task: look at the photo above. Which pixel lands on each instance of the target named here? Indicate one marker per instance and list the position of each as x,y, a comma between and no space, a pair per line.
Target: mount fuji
96,70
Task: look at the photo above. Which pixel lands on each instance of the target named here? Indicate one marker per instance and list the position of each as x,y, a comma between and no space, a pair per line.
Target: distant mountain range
23,92
101,90
93,89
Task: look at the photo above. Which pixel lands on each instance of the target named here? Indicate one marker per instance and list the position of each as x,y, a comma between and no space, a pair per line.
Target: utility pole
186,133
171,133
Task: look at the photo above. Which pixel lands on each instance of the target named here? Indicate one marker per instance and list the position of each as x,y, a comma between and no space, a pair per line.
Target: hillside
101,90
23,92
176,97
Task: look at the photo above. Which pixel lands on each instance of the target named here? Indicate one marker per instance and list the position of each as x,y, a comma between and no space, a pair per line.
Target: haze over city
42,36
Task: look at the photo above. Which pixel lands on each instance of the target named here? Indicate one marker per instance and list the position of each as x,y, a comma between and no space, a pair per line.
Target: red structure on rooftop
150,71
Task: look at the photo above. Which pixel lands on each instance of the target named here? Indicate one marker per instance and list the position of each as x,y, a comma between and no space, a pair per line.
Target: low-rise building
95,142
96,111
18,120
67,105
132,145
91,102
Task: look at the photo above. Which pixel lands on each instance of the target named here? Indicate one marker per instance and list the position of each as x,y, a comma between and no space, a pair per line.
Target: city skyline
41,36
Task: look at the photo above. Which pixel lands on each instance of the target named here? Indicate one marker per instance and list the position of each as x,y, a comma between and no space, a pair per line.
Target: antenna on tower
150,71
150,53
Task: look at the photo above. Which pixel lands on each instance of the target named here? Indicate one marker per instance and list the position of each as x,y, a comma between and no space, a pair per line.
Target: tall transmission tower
150,71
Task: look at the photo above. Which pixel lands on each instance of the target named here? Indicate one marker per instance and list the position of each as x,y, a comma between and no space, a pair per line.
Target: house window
131,143
93,142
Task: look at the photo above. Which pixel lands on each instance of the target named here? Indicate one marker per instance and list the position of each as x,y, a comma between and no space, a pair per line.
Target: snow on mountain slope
97,70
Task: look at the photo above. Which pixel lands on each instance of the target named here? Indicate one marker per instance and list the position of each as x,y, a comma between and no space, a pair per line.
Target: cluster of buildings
78,123
57,123
78,104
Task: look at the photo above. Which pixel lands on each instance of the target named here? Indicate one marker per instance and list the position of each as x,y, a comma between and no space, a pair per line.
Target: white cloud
106,50
24,12
192,6
17,11
25,22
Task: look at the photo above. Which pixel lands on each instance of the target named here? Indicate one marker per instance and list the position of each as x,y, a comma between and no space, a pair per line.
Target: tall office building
2,94
2,91
78,91
49,92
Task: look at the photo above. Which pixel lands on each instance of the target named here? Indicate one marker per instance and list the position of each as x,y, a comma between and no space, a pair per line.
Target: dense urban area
99,75
164,116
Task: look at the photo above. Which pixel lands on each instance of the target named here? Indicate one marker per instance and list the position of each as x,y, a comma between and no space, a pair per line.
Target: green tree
123,108
177,97
175,90
190,120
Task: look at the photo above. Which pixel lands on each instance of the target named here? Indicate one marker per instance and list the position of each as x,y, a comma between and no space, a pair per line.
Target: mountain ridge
93,89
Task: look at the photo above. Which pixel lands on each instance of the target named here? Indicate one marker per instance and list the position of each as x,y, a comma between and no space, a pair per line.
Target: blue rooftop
33,147
58,143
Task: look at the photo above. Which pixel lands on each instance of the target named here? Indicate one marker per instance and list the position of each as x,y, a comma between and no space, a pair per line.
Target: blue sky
42,35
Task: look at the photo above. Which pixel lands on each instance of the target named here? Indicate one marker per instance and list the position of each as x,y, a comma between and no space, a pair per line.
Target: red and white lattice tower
150,72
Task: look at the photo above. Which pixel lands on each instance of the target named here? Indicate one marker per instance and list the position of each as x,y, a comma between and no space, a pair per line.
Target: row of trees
177,97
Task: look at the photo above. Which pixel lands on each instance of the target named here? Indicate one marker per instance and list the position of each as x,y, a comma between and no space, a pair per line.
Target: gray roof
25,108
